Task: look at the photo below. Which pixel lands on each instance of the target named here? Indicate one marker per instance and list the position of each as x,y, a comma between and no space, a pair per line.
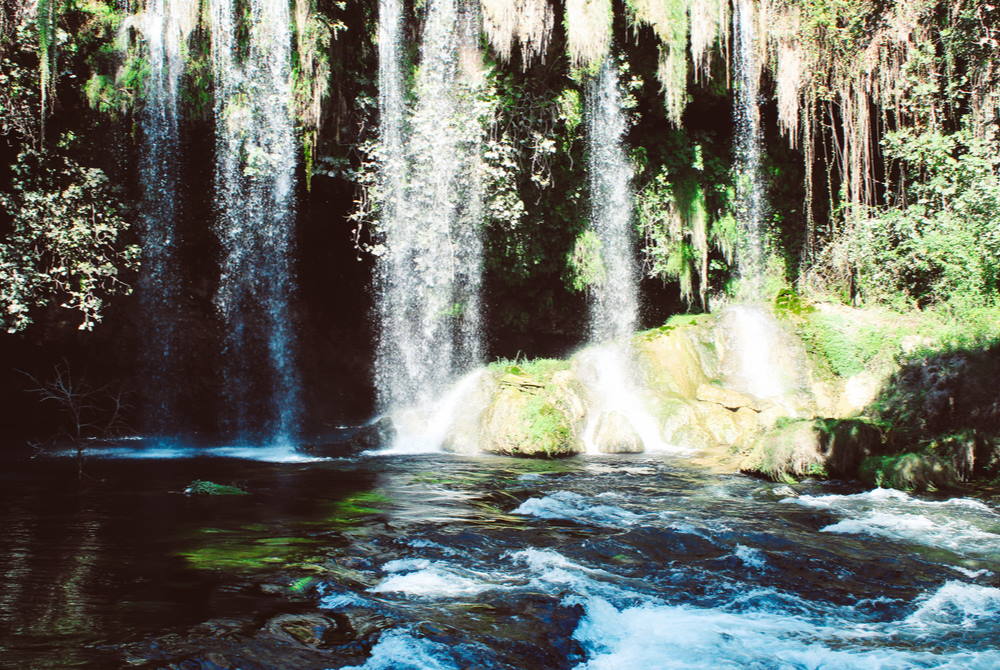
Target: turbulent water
164,26
422,563
750,196
255,183
430,264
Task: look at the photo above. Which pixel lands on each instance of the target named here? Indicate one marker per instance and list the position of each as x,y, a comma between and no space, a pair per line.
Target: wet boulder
614,434
537,415
813,447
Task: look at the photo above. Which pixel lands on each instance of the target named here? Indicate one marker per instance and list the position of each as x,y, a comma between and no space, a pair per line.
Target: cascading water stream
165,26
754,337
750,197
255,184
430,269
615,305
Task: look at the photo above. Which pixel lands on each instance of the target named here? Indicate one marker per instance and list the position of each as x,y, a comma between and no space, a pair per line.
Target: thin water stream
457,562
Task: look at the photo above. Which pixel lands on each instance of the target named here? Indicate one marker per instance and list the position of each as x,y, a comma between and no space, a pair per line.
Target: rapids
432,561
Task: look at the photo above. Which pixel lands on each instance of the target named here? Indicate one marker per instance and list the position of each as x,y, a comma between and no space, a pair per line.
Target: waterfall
430,267
606,366
165,26
255,183
750,197
615,303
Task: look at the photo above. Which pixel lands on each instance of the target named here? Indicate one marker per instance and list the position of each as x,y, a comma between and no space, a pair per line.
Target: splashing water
255,183
608,373
757,358
165,26
750,197
430,267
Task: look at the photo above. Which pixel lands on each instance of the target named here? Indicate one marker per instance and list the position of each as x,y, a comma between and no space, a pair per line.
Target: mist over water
256,158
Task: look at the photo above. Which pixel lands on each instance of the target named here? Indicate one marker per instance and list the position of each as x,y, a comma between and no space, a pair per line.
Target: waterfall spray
429,273
165,26
618,420
615,302
255,183
750,197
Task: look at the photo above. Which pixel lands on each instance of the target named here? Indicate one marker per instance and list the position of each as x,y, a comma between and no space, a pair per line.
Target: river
440,562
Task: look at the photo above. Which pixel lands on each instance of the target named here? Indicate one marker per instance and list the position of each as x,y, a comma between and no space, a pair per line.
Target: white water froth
430,579
400,650
674,636
575,507
751,557
957,604
964,526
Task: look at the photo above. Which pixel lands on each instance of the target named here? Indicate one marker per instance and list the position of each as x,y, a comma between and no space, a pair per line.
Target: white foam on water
751,557
430,579
958,604
575,507
400,650
336,601
973,574
956,535
677,636
964,526
550,571
882,496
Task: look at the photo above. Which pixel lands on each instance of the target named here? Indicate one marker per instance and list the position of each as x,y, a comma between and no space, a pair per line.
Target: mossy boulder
205,488
813,447
909,472
538,414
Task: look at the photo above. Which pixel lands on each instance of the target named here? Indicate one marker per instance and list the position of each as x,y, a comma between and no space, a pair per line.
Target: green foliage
65,222
584,265
549,428
787,301
537,368
847,348
943,241
907,472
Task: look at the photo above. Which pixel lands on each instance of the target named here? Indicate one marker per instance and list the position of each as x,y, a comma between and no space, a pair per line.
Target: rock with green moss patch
539,415
205,488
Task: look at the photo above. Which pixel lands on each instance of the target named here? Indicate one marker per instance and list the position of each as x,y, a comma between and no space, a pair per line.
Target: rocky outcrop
813,447
738,388
533,415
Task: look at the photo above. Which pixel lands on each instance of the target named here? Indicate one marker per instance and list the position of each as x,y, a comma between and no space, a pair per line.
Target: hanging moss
588,32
